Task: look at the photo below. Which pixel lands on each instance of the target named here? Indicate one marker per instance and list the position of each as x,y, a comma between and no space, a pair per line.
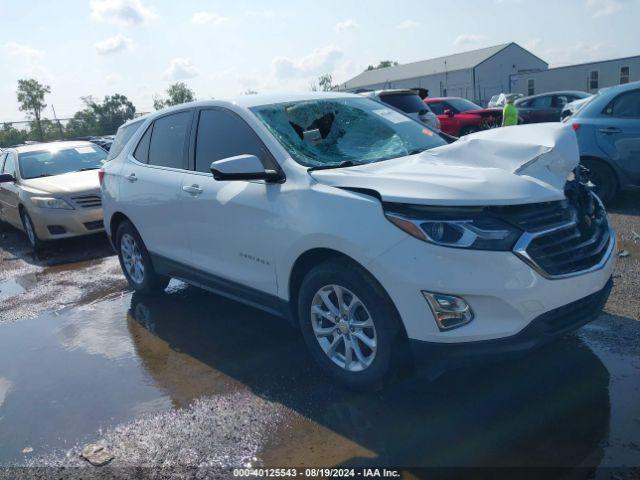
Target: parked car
407,101
459,116
608,133
323,209
572,107
51,190
546,107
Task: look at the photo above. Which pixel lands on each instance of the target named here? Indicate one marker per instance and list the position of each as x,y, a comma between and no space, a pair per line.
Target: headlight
474,230
50,202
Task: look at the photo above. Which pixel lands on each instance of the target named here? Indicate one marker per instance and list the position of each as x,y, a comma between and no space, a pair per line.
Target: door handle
132,177
192,189
610,130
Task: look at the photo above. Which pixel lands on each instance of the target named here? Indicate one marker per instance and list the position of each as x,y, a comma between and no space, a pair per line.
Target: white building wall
458,83
493,75
576,77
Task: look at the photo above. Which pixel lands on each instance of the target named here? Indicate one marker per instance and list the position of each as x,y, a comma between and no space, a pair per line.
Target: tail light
100,176
575,126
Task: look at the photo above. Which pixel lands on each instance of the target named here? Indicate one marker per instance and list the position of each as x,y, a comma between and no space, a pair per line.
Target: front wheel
30,230
604,179
348,323
136,262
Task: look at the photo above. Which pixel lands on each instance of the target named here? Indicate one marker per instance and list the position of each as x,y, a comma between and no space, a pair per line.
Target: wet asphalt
191,379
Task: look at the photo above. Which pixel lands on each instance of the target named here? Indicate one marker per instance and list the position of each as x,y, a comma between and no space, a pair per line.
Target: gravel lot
193,380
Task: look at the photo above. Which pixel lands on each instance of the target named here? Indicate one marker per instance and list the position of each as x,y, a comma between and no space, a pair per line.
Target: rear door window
223,134
541,102
168,146
407,102
122,138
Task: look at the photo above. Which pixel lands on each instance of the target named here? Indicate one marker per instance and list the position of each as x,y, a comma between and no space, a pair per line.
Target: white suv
361,226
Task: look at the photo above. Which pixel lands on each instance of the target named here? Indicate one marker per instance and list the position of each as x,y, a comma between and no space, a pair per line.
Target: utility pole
58,122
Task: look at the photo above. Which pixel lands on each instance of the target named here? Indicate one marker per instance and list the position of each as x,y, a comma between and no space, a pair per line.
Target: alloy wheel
132,258
344,328
31,234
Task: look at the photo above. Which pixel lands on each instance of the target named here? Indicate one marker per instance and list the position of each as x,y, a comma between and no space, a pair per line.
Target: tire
136,262
30,231
604,179
468,130
368,368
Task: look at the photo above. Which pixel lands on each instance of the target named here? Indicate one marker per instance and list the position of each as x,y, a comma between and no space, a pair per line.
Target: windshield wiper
88,168
416,151
346,163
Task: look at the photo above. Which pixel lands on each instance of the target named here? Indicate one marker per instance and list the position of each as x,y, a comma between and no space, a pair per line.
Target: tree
111,113
178,94
84,123
383,64
323,84
101,118
31,99
11,136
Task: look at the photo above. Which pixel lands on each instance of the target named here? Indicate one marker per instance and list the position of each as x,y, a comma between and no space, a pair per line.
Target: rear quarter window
122,138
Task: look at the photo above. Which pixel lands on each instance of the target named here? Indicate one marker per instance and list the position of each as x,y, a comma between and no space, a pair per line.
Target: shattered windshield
356,130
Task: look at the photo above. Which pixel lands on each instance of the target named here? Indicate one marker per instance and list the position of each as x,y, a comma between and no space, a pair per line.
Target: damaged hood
503,166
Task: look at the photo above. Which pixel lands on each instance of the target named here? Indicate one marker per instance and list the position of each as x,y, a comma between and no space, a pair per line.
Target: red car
459,116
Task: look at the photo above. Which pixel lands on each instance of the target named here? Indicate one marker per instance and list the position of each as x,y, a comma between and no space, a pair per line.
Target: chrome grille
87,201
565,240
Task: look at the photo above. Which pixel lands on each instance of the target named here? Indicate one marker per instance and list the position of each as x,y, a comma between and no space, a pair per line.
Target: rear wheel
30,230
136,262
603,177
348,323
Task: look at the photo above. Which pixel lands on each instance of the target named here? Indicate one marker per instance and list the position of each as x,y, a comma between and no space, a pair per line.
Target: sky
225,48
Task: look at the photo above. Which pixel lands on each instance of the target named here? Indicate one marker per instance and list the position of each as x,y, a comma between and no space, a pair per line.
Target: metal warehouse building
588,77
479,74
476,74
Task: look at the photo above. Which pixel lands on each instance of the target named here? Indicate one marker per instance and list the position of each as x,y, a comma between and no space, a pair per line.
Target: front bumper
434,358
505,293
52,224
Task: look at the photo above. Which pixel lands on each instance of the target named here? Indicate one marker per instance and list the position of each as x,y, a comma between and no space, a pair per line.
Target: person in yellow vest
509,112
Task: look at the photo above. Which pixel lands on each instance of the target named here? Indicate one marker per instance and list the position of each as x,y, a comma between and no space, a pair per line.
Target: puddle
16,286
65,378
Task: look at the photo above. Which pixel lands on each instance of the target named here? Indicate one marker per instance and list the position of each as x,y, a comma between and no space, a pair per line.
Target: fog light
448,310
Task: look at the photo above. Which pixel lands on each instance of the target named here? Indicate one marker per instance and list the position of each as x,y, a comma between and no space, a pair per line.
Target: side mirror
243,167
7,178
448,112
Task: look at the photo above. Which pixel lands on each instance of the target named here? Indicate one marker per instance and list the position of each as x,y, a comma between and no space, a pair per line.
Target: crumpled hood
503,166
68,183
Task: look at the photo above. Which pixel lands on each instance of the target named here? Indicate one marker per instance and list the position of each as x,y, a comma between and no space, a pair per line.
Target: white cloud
601,8
408,25
22,51
468,38
532,44
263,14
203,18
113,78
126,13
348,24
115,44
321,60
180,69
578,53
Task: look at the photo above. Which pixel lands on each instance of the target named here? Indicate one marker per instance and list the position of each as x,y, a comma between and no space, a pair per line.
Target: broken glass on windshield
328,132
